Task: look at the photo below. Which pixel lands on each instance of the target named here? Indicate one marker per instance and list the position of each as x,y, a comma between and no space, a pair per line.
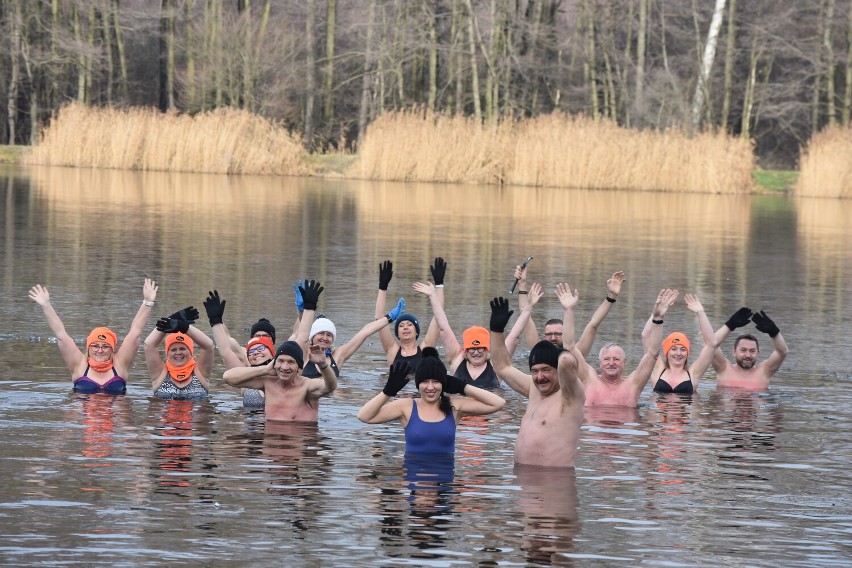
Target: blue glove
397,311
300,303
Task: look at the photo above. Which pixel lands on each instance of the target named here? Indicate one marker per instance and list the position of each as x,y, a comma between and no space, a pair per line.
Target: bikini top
115,384
683,388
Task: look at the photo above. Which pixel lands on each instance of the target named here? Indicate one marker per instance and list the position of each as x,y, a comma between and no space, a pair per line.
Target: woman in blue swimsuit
673,372
181,376
430,420
102,368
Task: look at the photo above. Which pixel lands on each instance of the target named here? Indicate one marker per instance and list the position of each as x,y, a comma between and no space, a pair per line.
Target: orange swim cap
673,339
476,337
104,334
173,338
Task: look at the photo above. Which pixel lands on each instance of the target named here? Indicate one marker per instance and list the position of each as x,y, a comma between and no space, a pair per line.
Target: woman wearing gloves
430,420
181,376
102,368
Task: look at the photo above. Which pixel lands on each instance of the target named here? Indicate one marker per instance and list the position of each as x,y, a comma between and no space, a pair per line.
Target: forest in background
770,71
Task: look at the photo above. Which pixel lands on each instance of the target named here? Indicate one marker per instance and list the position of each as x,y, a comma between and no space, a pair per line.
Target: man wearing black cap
289,396
550,428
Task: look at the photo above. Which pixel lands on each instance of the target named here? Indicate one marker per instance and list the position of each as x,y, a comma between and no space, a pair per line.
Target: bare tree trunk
730,47
707,63
751,83
15,25
829,63
457,33
815,95
122,56
367,78
108,47
310,79
641,49
590,65
167,55
328,90
433,61
474,68
847,94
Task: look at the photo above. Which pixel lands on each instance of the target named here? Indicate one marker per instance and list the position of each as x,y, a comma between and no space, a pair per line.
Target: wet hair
748,336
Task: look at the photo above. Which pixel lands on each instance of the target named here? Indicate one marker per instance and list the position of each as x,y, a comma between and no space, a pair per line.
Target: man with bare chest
745,372
550,427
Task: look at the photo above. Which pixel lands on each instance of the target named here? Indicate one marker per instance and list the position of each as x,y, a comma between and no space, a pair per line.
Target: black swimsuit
488,379
412,360
683,388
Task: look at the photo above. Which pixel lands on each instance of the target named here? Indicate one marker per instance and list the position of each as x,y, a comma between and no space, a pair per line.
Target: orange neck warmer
181,373
100,366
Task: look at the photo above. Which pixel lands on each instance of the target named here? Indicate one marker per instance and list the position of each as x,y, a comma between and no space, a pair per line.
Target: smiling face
430,389
324,339
286,368
745,353
476,355
677,356
179,354
100,351
545,378
612,360
259,354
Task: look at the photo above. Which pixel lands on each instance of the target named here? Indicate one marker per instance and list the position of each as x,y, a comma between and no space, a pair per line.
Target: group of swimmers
288,381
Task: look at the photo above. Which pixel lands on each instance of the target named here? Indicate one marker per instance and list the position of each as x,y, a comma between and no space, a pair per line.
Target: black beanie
264,325
292,349
430,367
545,352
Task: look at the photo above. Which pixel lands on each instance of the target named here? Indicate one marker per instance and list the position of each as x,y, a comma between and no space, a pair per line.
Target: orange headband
676,338
262,340
102,334
173,338
476,337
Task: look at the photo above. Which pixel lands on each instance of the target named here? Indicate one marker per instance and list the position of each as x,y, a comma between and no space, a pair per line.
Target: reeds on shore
825,169
553,150
224,141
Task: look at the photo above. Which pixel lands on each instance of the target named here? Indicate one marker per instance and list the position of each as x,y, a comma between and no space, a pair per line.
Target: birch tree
707,63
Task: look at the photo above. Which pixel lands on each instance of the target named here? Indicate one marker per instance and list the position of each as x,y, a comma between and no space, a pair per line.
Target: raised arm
249,377
519,382
215,308
475,402
385,334
378,409
533,295
311,291
613,289
652,336
452,347
153,360
741,317
327,381
345,351
767,326
204,353
530,332
701,363
130,346
72,355
436,331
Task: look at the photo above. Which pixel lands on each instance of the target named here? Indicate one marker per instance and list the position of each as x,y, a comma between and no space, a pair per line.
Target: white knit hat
323,324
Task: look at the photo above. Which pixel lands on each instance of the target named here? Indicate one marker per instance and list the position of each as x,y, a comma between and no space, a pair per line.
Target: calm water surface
720,478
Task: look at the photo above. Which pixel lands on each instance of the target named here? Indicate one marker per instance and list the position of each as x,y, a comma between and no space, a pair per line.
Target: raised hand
665,299
397,378
439,270
394,314
535,293
454,385
425,288
39,295
149,290
172,325
300,302
318,356
215,307
693,303
189,314
765,324
385,274
500,314
567,298
740,318
613,285
311,291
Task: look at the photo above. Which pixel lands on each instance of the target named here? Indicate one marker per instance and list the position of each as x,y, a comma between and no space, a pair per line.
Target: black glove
172,325
764,324
385,274
397,378
311,291
739,319
500,314
189,314
455,385
215,307
439,270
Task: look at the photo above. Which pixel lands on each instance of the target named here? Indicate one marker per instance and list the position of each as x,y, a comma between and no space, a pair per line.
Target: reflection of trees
548,503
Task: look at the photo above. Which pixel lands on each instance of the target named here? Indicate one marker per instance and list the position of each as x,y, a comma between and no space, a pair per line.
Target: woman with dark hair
430,420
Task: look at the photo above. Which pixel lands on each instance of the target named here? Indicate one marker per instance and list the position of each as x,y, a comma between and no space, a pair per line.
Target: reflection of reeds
826,170
554,150
224,141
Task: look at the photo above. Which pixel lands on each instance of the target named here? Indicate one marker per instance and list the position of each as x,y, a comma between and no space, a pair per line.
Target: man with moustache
550,427
745,372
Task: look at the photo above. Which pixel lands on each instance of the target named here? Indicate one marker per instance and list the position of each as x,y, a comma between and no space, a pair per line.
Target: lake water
721,478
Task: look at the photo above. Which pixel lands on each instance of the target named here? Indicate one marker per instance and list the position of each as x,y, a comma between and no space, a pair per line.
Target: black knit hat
263,324
292,349
430,367
545,352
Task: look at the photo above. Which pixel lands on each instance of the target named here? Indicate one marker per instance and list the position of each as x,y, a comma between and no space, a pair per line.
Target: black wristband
656,321
389,318
610,300
523,292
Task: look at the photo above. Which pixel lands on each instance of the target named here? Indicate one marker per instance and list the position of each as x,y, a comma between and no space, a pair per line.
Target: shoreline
335,166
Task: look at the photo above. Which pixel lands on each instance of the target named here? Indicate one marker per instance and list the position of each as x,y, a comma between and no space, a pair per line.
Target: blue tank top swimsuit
115,384
253,399
310,371
486,380
683,388
412,360
170,391
430,437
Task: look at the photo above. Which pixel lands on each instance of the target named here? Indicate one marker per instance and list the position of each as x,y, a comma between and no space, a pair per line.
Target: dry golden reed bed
553,150
224,141
826,165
